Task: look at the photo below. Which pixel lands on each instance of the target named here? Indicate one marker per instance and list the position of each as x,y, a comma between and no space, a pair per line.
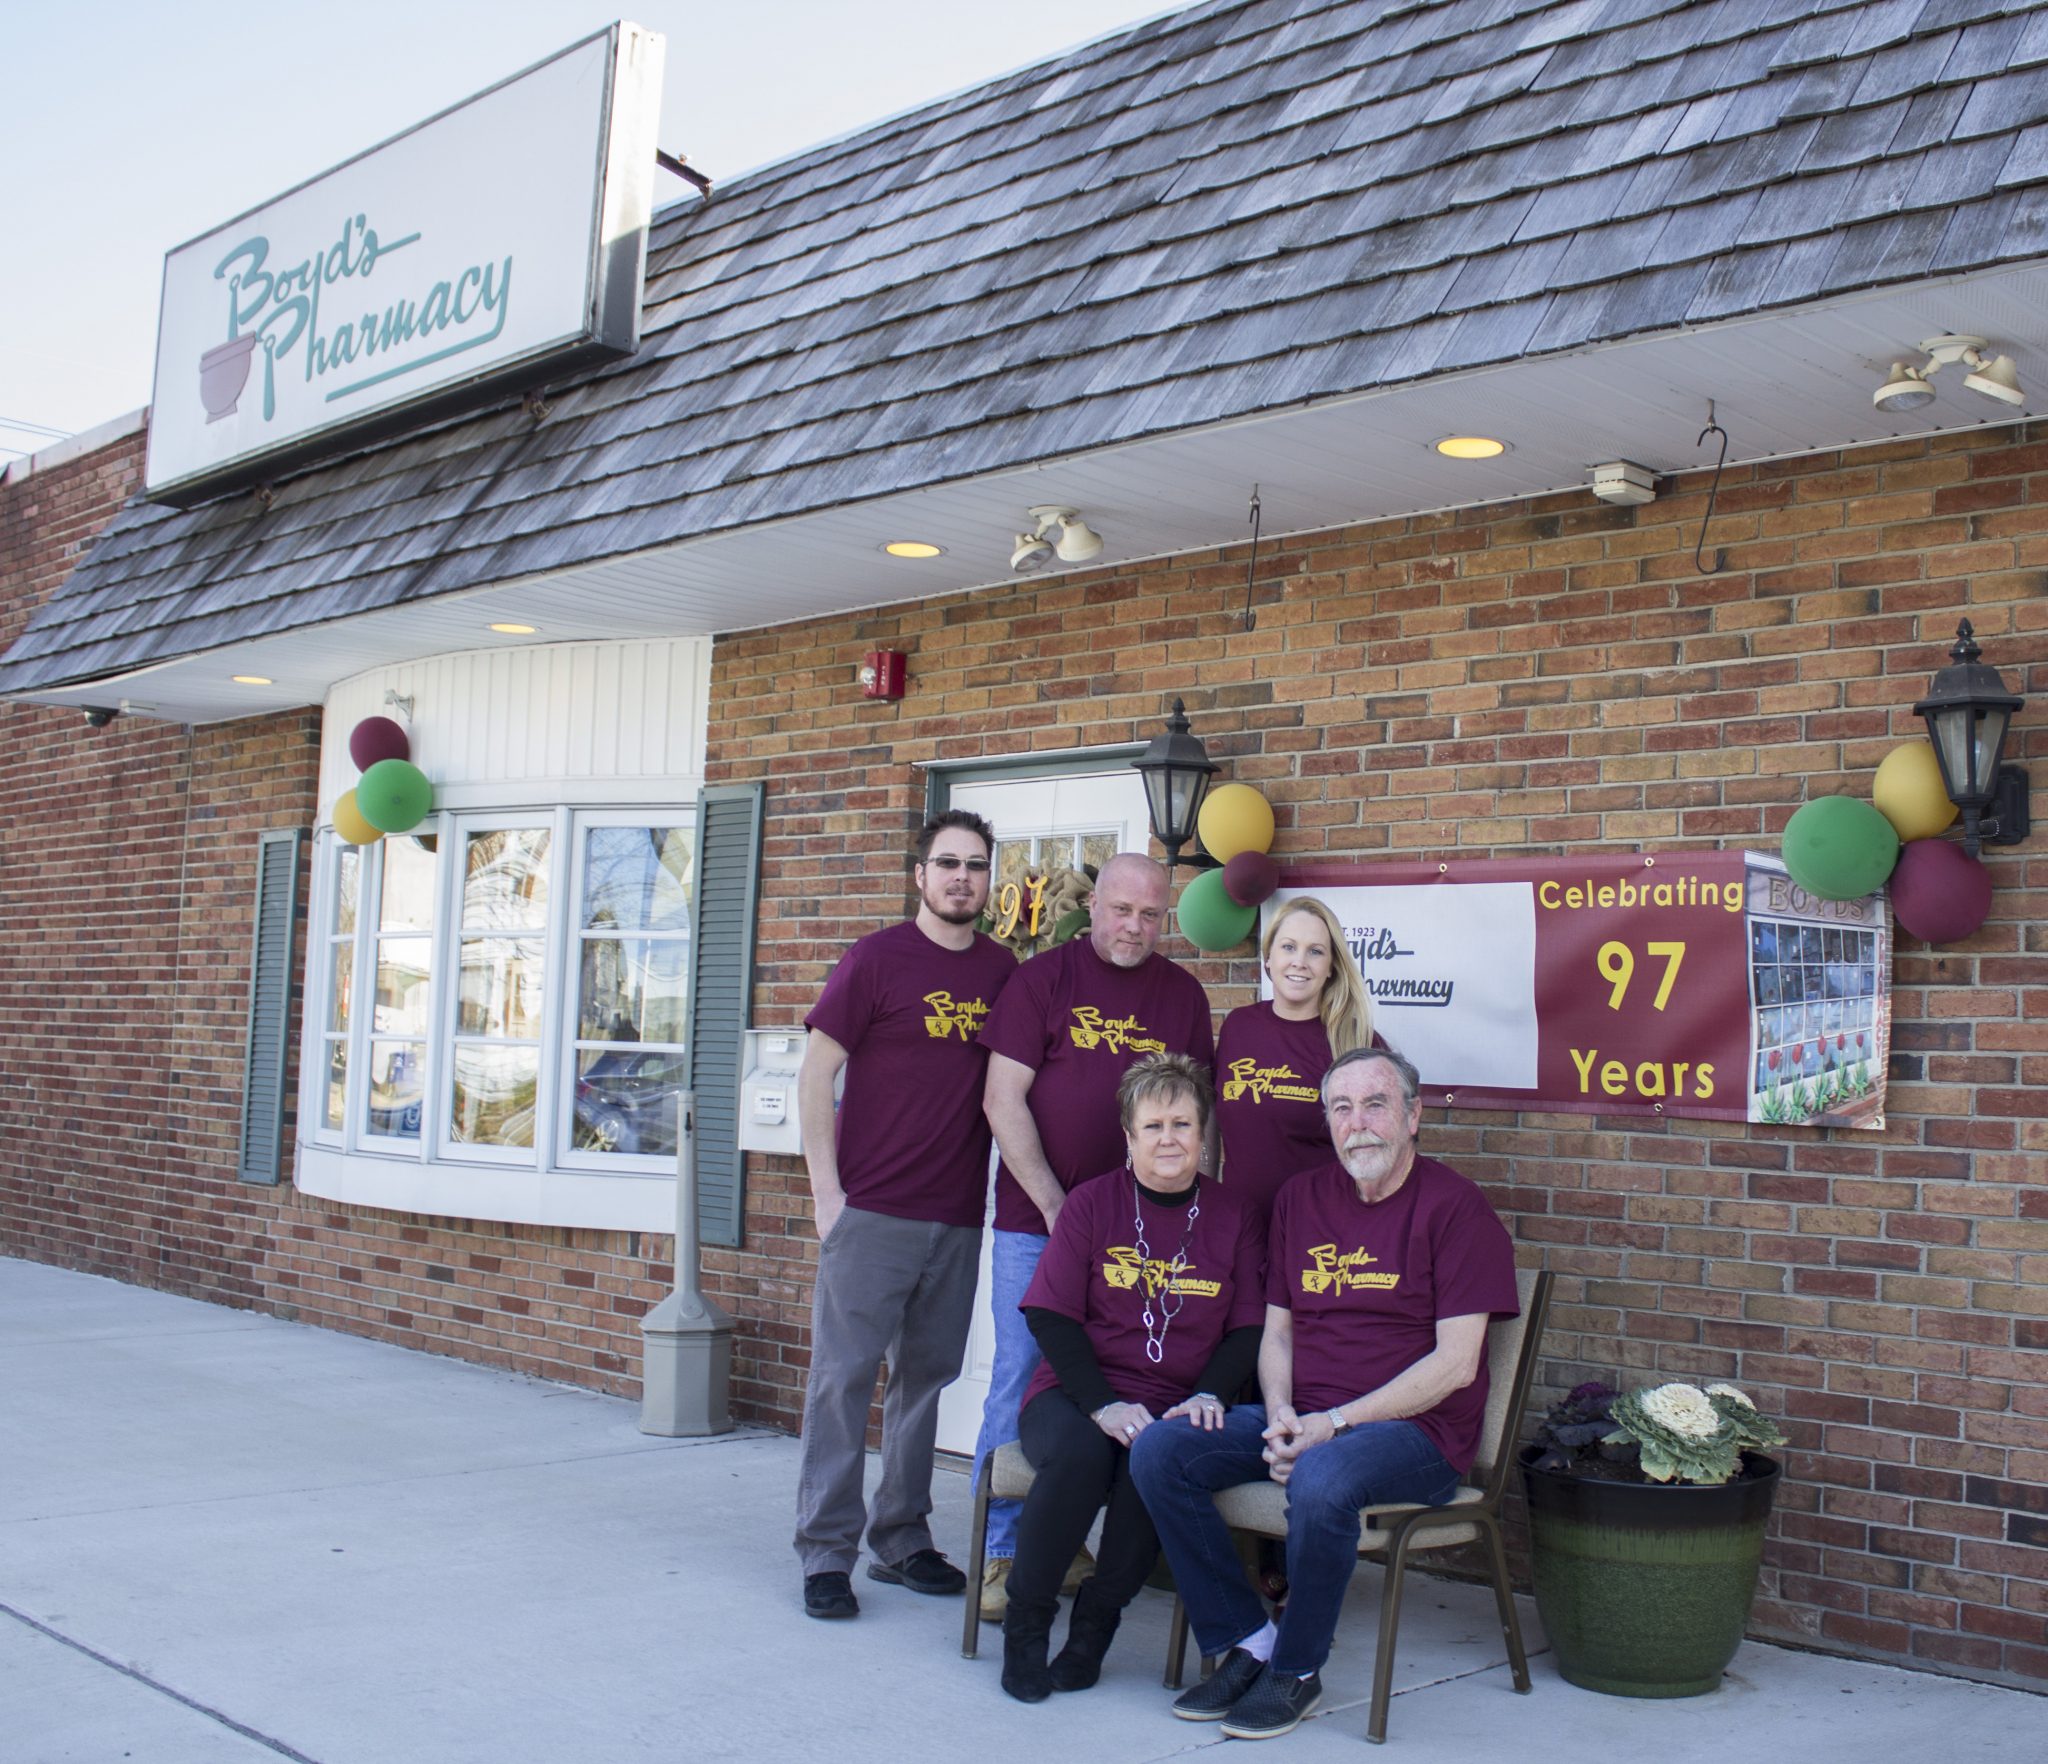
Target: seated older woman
1147,1306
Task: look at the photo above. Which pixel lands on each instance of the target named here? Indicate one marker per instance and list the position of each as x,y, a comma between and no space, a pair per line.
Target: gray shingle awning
1242,208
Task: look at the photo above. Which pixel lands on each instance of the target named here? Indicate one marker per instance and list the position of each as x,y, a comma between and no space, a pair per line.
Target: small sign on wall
500,240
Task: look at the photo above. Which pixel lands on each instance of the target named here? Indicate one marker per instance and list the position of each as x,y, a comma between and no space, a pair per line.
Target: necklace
1170,1301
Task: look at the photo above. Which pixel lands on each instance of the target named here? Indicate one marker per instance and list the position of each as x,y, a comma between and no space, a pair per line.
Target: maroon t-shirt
1092,1272
1269,1105
913,1142
1079,1023
1367,1284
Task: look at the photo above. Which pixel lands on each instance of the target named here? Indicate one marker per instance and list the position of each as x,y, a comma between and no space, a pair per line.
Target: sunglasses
973,866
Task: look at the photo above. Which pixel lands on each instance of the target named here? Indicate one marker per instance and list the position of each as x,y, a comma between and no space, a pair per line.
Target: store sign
1696,983
494,245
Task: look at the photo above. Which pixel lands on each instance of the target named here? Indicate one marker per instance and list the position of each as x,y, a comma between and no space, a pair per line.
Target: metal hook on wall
1699,561
1251,619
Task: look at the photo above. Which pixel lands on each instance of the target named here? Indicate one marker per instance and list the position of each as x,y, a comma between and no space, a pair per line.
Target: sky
134,126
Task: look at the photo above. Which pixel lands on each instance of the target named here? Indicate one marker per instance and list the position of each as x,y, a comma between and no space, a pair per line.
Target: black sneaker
1217,1694
829,1595
924,1571
1277,1704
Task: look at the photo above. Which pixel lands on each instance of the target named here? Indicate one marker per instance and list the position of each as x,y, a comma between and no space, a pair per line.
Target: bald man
1060,1038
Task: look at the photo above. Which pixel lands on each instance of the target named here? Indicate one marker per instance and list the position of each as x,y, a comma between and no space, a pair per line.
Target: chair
1394,1533
1006,1474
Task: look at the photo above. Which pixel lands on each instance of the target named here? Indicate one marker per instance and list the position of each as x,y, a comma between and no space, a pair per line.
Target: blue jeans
1178,1468
1013,1259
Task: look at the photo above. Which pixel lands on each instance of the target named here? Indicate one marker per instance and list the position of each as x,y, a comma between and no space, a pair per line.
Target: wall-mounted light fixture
1056,534
1907,387
1176,768
1967,711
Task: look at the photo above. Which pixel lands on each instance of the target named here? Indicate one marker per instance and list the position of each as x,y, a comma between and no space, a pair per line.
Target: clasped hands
1288,1435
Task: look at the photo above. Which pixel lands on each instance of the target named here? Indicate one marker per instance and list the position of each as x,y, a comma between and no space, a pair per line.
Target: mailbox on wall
768,1120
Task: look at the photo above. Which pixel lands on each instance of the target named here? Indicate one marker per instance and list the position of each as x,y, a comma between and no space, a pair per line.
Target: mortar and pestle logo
223,372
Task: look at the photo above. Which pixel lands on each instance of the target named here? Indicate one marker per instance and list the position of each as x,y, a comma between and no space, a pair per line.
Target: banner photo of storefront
1703,984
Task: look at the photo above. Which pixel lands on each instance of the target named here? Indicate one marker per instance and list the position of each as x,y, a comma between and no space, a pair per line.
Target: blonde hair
1346,1006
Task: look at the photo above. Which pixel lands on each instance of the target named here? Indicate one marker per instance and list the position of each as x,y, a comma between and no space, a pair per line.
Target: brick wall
1538,676
1547,676
127,872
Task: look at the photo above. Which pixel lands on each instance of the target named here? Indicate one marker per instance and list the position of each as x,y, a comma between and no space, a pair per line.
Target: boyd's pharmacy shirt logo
342,321
1329,1272
950,1017
1127,1271
1090,1029
1249,1079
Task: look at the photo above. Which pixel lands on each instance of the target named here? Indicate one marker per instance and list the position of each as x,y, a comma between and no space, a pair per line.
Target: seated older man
1382,1271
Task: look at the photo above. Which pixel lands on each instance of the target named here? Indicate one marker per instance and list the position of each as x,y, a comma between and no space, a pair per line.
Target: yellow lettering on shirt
950,1017
1127,1271
1328,1272
1091,1029
1283,1083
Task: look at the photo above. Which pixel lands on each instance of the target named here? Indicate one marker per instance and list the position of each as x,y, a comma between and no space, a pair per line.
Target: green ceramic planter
1644,1590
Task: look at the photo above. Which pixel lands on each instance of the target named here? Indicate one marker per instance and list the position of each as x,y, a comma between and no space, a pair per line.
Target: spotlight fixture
1907,387
1056,534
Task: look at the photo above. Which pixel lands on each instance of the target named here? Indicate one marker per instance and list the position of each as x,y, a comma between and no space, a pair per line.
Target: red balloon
1250,877
377,738
1940,893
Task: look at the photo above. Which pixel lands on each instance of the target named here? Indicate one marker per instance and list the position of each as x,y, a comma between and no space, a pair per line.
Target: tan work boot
1078,1570
995,1589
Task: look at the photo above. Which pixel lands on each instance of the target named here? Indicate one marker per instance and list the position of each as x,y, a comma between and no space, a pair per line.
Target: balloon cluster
1219,907
392,796
1841,848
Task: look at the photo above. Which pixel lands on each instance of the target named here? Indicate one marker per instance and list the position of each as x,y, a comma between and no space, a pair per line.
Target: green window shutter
721,997
270,999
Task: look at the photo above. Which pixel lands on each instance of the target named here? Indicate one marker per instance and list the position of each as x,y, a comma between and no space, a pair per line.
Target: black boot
1090,1630
1026,1626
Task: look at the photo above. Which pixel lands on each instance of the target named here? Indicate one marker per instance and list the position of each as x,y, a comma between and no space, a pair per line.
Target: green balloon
1839,848
1209,918
394,794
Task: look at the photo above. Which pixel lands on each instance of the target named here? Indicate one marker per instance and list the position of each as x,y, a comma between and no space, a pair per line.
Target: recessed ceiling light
1470,447
913,548
512,630
253,680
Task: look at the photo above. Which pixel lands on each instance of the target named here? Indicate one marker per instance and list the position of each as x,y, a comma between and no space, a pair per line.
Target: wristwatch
1337,1422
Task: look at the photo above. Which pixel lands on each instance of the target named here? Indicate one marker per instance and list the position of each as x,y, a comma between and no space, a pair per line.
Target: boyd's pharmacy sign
495,244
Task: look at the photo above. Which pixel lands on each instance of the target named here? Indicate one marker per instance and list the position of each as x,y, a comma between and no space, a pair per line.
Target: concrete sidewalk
223,1537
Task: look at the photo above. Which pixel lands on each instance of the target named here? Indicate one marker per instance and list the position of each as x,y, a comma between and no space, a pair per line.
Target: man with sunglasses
898,1187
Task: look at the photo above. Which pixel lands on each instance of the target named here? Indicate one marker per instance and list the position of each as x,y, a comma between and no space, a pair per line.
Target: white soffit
1783,385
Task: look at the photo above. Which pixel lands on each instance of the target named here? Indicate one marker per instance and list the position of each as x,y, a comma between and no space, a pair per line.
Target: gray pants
899,1291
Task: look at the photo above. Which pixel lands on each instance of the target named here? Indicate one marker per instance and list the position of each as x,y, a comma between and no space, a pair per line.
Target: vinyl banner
1693,983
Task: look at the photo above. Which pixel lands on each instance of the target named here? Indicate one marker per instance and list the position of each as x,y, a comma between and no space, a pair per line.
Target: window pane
494,1089
397,1077
626,1101
402,966
337,1085
636,878
408,903
502,987
349,879
634,989
340,979
505,880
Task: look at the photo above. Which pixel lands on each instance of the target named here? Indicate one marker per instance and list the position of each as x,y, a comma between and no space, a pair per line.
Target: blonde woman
1272,1054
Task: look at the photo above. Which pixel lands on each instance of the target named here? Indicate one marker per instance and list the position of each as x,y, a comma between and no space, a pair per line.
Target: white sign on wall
497,242
1451,972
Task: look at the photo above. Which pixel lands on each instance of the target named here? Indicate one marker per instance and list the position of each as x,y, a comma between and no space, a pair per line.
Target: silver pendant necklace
1170,1301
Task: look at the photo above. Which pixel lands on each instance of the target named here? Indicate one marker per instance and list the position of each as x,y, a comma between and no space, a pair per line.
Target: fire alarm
882,674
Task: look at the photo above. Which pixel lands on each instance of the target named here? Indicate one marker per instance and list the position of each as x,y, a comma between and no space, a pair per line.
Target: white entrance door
1043,825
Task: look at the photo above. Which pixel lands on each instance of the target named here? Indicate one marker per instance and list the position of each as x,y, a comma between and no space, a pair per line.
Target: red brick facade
1547,675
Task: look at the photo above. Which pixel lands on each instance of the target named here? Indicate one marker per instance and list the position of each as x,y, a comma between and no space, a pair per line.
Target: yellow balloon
1235,818
1908,792
349,822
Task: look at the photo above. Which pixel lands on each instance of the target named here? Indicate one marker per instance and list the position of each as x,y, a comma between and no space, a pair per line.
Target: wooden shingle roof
1248,206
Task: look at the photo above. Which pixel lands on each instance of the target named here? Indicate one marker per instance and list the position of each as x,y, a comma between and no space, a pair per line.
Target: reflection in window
633,994
341,969
397,1075
501,987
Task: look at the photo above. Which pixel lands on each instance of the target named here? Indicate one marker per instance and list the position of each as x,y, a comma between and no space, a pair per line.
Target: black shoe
829,1595
1025,1629
924,1571
1217,1694
1277,1704
1089,1632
